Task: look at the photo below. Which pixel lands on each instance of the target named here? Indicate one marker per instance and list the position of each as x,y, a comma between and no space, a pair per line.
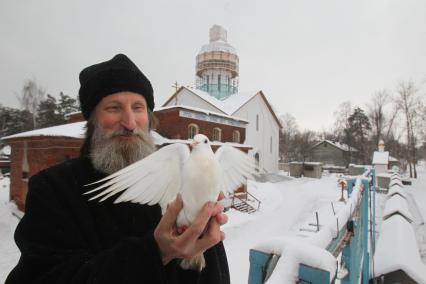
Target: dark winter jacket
64,238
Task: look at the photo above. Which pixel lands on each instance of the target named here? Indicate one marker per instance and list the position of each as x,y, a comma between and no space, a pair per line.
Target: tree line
397,117
37,110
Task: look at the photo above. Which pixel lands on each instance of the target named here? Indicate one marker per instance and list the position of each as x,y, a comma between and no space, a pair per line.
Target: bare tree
376,113
410,104
341,116
287,134
30,98
383,120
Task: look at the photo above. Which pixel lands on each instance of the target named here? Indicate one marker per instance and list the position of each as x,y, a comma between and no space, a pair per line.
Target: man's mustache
127,132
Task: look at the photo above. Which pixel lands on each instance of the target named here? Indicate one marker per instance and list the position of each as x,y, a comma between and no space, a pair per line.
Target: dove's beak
194,143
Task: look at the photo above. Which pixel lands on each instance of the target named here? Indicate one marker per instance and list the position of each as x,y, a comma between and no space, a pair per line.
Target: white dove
198,175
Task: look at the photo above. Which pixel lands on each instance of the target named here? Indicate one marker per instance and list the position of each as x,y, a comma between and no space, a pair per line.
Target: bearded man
64,238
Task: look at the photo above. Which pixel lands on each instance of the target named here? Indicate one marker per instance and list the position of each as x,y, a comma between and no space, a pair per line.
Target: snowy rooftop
397,205
380,158
72,130
392,159
395,182
229,105
397,190
397,249
339,145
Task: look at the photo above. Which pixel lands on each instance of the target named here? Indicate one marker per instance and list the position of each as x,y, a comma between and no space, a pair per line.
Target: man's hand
202,234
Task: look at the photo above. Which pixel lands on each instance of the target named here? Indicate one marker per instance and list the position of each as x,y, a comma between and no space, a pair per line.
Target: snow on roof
397,190
235,102
72,130
394,182
72,113
392,159
397,249
397,204
208,98
229,105
339,145
380,158
202,111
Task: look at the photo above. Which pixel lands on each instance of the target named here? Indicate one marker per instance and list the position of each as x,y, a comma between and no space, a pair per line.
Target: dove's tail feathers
196,263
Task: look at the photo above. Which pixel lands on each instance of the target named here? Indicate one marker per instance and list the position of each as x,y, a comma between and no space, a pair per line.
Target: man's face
121,132
123,110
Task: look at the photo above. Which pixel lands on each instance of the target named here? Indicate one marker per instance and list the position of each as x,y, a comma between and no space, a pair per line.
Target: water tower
217,66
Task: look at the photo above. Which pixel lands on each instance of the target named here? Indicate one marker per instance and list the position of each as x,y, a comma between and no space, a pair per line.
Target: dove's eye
205,141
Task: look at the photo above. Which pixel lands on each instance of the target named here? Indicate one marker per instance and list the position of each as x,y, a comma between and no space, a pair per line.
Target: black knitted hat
116,75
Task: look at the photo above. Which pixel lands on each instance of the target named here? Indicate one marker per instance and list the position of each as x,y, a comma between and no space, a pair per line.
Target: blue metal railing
355,254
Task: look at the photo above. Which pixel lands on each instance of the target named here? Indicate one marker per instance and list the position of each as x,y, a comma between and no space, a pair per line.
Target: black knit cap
119,74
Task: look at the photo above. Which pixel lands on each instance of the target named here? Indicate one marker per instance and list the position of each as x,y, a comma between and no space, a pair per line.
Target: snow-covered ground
8,251
284,209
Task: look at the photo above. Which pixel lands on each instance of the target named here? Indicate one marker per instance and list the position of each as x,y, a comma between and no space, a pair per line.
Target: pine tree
67,104
13,121
357,133
48,114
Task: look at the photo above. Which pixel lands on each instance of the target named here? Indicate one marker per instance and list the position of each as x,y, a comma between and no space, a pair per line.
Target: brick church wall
172,126
42,152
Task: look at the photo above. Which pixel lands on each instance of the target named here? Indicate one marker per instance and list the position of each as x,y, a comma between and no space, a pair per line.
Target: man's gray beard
109,155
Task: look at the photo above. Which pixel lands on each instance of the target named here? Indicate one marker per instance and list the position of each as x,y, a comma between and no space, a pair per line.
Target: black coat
64,238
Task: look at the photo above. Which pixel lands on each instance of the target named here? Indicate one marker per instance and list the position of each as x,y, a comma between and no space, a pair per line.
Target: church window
236,136
192,130
217,134
218,82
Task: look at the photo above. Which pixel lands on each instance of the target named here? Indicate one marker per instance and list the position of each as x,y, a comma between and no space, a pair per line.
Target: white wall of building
261,138
380,169
187,98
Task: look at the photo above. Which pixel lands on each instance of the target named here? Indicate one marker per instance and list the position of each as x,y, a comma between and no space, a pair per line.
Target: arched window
217,134
257,122
270,144
192,130
236,136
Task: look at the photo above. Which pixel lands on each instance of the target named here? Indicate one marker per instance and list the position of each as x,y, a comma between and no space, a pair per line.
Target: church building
217,69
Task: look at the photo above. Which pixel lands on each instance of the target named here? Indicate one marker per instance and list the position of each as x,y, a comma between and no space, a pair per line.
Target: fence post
365,223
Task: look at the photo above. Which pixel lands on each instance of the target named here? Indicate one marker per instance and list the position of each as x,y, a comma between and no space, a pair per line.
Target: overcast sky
306,56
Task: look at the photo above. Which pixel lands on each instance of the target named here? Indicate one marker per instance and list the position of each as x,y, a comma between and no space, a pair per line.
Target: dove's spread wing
154,179
236,166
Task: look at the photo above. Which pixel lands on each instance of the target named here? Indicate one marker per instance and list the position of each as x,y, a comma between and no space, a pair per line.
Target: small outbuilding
333,153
